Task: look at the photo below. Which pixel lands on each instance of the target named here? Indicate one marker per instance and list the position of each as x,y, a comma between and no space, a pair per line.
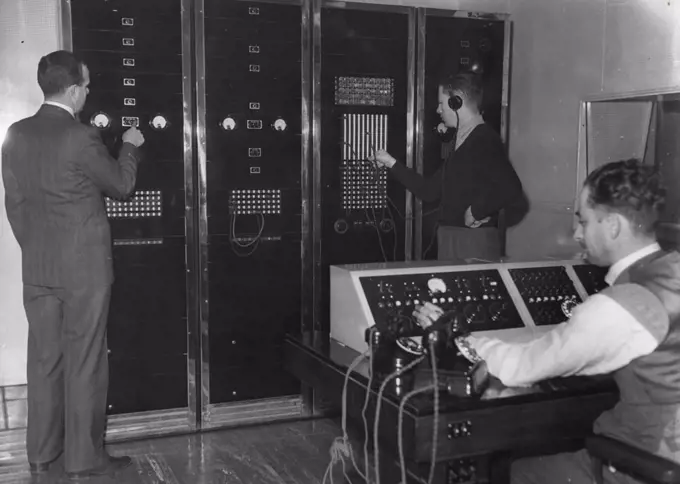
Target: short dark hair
468,83
629,188
58,71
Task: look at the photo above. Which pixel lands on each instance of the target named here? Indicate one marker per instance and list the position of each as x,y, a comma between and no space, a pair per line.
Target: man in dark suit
56,172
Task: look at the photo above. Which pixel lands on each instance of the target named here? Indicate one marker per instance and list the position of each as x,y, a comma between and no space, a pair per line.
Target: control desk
511,300
506,298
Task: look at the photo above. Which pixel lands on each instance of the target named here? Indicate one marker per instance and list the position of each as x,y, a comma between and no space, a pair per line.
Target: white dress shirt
62,106
618,267
603,335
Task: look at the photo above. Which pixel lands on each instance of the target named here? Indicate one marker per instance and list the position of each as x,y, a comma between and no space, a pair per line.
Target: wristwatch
466,349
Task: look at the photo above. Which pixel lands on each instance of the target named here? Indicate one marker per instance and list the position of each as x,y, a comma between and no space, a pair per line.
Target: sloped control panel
496,297
481,296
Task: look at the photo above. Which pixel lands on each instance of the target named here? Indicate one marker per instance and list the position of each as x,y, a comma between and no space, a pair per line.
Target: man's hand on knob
383,159
133,136
427,314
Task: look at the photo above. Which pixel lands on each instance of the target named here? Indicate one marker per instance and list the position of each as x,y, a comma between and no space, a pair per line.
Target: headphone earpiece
455,102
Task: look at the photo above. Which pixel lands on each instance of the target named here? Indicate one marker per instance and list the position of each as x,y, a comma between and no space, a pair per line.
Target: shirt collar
617,268
62,106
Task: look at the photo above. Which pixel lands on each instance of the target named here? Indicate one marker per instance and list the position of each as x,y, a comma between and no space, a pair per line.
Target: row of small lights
266,201
146,203
368,82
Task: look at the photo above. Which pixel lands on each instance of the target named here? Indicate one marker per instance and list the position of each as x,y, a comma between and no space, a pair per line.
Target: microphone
445,133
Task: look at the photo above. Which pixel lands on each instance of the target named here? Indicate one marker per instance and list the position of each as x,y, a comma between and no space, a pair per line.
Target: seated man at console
632,328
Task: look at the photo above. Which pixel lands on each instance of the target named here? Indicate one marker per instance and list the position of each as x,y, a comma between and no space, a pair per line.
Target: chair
637,463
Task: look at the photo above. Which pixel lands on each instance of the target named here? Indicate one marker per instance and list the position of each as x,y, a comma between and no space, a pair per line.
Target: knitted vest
648,413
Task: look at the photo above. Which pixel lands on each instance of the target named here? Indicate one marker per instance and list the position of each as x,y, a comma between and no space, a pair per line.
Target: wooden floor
287,453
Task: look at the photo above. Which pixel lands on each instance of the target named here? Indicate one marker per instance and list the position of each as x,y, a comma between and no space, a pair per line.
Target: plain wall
556,61
28,30
563,52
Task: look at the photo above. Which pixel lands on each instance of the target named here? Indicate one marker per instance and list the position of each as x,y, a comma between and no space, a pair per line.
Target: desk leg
307,394
499,468
314,404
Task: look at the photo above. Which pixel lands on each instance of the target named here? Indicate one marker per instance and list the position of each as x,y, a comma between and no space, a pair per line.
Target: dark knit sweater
477,174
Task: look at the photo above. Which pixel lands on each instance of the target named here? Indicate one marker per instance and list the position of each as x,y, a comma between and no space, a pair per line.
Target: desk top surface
337,357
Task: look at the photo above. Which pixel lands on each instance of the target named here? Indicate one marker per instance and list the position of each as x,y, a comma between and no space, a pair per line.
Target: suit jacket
56,172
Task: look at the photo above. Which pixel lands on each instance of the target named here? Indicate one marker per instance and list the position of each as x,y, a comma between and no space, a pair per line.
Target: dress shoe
41,469
112,465
38,469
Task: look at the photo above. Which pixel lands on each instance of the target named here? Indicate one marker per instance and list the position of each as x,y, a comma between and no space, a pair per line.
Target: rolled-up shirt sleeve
605,333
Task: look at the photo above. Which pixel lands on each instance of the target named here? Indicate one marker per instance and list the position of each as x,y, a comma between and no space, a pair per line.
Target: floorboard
284,453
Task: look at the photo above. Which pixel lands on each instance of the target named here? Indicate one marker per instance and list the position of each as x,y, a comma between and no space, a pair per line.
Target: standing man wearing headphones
473,184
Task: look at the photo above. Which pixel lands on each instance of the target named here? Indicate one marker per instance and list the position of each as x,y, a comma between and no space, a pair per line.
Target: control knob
436,285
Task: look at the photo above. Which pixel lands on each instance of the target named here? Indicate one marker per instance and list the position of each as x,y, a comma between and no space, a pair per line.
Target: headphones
455,102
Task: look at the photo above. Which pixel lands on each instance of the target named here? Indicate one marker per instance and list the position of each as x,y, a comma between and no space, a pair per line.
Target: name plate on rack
130,121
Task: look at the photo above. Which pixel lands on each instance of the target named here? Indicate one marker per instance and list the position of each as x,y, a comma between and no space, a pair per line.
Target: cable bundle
249,241
387,217
341,447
